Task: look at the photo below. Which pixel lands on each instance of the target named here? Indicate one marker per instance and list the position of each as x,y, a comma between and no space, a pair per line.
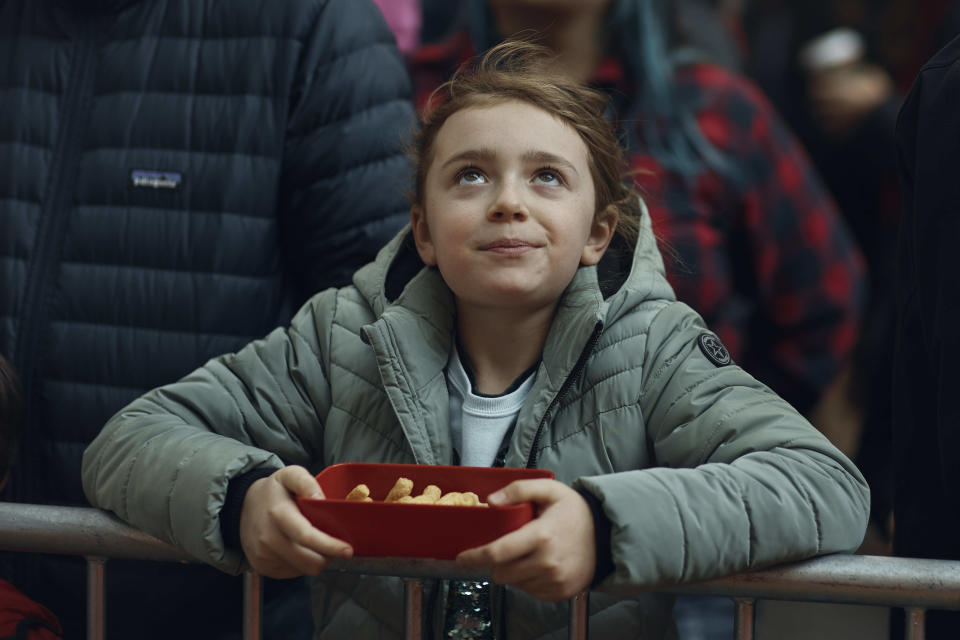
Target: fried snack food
403,488
460,499
430,495
452,498
471,499
360,493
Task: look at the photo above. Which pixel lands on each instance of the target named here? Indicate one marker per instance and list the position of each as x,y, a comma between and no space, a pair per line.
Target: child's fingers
551,557
543,589
323,543
540,574
540,491
306,560
299,481
299,531
517,572
294,547
508,548
526,539
276,537
274,565
533,572
286,559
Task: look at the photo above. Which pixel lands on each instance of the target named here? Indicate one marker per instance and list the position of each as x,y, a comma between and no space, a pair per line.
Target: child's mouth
509,246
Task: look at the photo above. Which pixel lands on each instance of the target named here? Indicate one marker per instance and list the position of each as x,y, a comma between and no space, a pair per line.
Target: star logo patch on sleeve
714,349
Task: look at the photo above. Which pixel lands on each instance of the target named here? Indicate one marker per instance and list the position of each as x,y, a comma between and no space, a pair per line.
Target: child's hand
278,541
553,557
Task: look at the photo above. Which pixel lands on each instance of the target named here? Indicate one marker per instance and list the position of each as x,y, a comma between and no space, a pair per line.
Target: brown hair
9,417
525,71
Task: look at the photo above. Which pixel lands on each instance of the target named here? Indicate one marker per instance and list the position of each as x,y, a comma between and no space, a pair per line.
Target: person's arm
163,463
345,173
743,480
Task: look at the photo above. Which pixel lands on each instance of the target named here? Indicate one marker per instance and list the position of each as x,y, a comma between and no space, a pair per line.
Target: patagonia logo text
142,179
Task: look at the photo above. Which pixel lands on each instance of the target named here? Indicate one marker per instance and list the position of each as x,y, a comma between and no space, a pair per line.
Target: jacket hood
622,279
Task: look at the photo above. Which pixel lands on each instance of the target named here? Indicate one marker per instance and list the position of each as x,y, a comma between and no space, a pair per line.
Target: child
20,617
522,342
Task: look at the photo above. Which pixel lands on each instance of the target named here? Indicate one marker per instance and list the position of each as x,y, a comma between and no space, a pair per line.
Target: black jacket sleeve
926,415
345,172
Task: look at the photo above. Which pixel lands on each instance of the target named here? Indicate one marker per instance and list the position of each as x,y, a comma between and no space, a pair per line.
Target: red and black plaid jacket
767,261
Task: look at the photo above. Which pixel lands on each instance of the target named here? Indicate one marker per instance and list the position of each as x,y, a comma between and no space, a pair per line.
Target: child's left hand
553,557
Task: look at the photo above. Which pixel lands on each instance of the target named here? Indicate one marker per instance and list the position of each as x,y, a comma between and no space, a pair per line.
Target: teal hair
642,34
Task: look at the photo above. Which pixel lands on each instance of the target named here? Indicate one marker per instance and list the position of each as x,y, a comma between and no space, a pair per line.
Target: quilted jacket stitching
683,525
802,489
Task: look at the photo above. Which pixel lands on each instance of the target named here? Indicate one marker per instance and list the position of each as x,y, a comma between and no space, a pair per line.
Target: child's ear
601,233
421,235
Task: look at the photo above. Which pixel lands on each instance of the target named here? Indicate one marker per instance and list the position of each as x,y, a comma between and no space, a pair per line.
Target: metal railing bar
579,625
916,624
743,618
412,609
844,578
423,568
96,600
858,579
252,605
78,531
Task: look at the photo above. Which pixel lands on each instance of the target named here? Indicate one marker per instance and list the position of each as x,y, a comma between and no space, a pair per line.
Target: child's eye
470,176
548,177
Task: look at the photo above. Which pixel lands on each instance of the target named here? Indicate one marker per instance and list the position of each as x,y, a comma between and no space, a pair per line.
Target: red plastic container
415,530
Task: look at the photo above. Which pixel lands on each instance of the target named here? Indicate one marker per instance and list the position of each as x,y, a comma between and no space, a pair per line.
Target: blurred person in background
752,239
404,17
712,27
176,178
849,116
838,71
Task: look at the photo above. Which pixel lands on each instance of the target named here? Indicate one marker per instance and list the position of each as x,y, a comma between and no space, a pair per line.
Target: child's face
508,210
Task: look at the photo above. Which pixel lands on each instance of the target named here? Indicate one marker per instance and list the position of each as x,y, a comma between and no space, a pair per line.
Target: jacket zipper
54,218
564,389
497,609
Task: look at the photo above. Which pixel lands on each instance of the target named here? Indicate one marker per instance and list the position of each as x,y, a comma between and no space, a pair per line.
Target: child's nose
508,205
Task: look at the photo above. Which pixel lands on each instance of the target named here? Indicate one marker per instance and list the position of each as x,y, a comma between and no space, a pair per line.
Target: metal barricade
915,585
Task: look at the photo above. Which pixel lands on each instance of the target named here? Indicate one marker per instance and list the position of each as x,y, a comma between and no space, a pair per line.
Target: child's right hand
278,541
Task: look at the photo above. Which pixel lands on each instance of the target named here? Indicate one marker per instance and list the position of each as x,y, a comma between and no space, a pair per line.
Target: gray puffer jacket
701,469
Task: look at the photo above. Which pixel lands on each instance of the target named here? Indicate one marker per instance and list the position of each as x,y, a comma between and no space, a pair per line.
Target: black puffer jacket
926,414
176,176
